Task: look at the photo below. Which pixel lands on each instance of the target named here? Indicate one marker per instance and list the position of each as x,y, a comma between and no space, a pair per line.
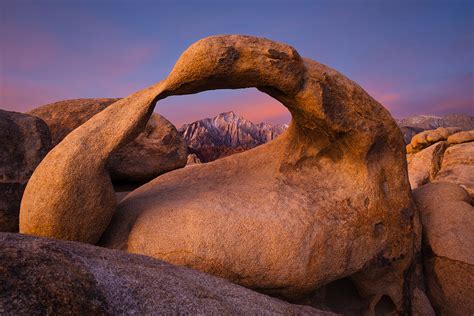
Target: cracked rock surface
448,240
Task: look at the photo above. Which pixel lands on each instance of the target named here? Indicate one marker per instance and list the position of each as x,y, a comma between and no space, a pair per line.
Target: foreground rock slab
156,150
40,276
24,141
448,241
327,199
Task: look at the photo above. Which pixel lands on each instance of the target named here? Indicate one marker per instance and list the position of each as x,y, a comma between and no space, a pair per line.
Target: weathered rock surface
329,198
25,140
41,276
448,240
424,165
461,137
65,116
227,134
70,195
458,166
426,138
158,149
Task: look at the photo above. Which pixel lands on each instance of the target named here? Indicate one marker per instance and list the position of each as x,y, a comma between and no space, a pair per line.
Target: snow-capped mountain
226,134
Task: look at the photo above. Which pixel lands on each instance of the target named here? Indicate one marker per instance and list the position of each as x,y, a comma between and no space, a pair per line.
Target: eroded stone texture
156,150
24,141
330,197
426,138
448,240
458,166
461,137
425,164
40,276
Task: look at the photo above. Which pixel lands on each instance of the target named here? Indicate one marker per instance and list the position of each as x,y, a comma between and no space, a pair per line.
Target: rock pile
442,155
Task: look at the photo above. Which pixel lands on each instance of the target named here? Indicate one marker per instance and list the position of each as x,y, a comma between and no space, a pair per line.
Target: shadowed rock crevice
25,140
385,306
340,296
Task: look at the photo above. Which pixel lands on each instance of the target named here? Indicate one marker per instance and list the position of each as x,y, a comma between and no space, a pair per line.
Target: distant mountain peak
225,134
228,114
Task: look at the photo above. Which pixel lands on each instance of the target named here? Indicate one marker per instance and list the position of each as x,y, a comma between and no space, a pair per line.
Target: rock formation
40,276
70,195
227,134
442,155
458,166
25,140
424,165
329,198
426,138
158,149
448,241
65,116
461,137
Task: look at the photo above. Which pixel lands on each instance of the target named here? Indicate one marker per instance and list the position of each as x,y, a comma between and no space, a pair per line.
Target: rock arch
328,198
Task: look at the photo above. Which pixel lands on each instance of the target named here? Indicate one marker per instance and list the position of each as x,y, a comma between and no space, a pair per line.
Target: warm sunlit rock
458,166
425,164
426,138
327,199
461,137
448,241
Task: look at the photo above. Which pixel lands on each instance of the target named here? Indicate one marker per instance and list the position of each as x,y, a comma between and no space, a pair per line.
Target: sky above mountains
414,57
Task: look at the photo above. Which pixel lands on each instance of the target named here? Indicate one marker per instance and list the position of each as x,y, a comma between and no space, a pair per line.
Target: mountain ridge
228,133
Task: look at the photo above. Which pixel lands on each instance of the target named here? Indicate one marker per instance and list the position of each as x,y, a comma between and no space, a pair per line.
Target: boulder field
328,199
